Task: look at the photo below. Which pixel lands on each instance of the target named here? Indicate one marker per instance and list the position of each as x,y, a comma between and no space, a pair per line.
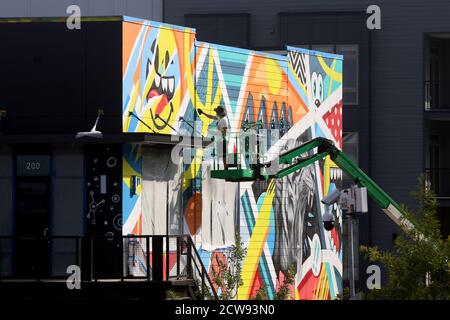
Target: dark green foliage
284,292
229,277
419,265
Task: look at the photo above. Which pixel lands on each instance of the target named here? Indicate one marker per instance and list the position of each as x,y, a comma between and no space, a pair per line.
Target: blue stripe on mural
265,275
129,75
233,57
202,83
128,202
205,256
232,79
233,68
248,213
330,283
215,82
318,130
233,90
271,235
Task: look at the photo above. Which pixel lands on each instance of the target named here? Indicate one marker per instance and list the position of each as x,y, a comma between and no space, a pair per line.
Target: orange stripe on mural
130,32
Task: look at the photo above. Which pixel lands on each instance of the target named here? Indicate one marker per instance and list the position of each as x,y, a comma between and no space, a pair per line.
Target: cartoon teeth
165,85
335,173
157,79
171,84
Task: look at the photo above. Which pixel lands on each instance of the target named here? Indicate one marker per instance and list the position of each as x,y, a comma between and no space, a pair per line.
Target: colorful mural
168,76
157,75
132,189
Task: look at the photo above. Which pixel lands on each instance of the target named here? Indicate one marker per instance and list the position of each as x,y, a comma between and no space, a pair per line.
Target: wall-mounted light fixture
94,133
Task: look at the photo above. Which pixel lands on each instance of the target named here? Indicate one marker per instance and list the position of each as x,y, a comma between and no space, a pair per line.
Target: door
32,226
32,213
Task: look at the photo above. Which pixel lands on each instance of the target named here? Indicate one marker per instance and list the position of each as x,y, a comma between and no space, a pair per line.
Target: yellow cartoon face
161,69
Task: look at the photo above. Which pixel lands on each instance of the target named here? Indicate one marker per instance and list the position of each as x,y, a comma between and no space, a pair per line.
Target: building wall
150,9
298,96
68,218
6,208
68,75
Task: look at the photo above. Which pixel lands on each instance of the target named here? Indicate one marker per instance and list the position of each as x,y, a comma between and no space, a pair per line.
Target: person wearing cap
222,126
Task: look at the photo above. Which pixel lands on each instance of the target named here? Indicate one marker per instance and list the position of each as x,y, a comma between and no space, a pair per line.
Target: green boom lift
306,154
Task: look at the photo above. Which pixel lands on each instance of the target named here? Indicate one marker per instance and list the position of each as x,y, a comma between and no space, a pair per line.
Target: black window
228,29
351,70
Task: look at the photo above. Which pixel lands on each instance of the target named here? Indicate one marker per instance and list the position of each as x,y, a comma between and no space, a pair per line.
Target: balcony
148,266
439,181
436,71
437,95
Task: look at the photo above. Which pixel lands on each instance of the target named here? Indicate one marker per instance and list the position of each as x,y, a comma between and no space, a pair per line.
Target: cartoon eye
167,58
149,66
156,59
320,87
314,86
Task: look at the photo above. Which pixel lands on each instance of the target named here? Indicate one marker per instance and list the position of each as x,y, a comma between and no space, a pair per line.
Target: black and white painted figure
317,88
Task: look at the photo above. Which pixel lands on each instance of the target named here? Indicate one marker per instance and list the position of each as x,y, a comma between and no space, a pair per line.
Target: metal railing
436,95
439,181
198,272
250,146
104,258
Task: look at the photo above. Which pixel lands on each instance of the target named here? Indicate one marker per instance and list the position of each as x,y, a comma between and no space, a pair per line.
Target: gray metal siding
68,202
6,205
150,9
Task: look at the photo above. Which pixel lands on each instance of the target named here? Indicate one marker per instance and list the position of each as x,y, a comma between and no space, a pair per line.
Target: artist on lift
222,126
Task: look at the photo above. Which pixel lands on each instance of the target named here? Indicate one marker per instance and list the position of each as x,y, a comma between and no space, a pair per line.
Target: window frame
355,89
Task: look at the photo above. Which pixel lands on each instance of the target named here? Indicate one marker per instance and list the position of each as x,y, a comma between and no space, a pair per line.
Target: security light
94,133
328,221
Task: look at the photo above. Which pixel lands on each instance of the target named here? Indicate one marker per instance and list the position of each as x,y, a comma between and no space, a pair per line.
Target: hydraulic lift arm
295,160
326,147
